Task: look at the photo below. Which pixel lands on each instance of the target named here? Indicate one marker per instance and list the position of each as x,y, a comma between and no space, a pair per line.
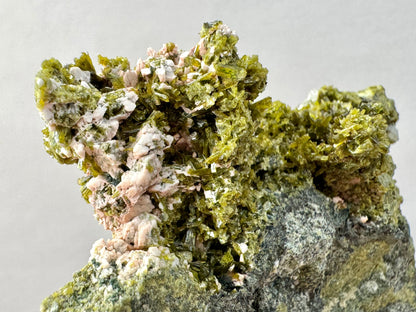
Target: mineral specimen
221,202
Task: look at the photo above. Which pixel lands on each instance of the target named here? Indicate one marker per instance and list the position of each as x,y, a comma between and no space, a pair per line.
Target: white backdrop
46,228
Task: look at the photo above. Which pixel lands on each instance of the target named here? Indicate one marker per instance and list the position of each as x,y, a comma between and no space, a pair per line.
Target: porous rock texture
221,202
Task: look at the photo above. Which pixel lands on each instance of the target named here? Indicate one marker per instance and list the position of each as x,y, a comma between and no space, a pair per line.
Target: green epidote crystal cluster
187,169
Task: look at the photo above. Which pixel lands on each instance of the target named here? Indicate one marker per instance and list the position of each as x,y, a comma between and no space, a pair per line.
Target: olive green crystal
193,175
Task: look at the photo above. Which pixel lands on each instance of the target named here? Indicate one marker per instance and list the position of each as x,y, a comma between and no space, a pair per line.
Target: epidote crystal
221,202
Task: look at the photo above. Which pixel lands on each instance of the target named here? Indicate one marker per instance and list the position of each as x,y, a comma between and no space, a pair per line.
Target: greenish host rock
218,201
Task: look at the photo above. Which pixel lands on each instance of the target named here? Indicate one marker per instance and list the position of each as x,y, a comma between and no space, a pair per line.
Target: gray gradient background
46,228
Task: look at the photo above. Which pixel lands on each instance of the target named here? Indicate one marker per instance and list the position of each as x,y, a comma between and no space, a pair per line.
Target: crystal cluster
187,169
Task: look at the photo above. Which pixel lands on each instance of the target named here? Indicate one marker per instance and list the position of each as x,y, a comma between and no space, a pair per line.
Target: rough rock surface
218,202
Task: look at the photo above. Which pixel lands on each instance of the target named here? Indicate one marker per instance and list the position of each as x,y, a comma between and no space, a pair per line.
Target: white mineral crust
79,74
129,263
